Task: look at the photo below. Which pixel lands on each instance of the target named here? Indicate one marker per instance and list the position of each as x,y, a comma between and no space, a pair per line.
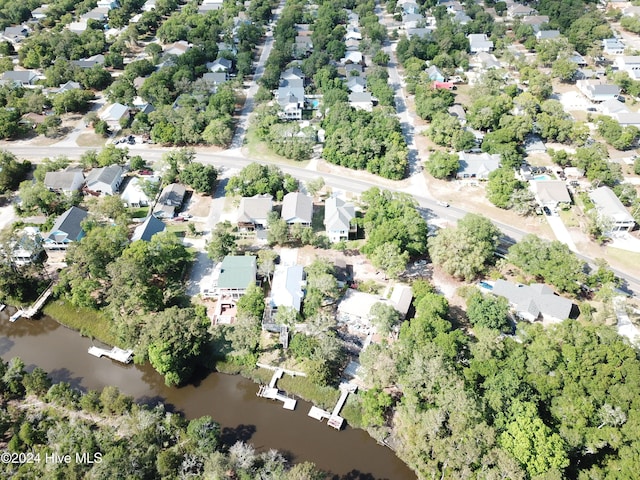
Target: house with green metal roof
236,273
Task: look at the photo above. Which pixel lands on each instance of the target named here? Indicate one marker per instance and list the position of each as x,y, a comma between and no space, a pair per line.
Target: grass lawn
90,140
88,322
569,218
139,212
179,228
625,257
260,150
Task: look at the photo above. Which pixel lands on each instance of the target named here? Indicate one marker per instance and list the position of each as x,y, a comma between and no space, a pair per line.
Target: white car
442,204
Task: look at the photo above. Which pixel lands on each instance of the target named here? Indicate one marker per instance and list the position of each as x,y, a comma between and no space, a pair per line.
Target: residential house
353,33
629,64
353,70
16,35
361,101
297,208
435,74
578,59
99,14
114,114
352,56
65,181
105,180
177,48
65,87
253,212
612,46
220,65
77,27
487,61
142,106
547,35
461,18
410,7
108,4
596,91
401,297
20,78
290,95
27,248
133,195
518,10
628,119
422,32
287,287
632,11
457,111
357,84
171,198
550,193
412,20
477,165
534,302
478,42
40,13
209,5
227,47
338,215
443,86
66,229
149,5
613,107
352,45
235,274
354,310
535,21
611,210
148,229
303,46
215,78
89,62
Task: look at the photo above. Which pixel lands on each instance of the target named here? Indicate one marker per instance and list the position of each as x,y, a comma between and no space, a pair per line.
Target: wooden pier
334,419
271,391
117,354
35,308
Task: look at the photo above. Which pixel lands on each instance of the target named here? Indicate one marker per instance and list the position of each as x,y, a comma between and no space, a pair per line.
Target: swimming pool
542,177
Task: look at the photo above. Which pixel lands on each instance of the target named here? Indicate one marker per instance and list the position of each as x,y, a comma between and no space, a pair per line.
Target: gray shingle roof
148,229
296,205
534,299
69,224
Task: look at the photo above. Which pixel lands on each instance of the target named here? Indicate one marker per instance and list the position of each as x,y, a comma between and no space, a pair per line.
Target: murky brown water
231,400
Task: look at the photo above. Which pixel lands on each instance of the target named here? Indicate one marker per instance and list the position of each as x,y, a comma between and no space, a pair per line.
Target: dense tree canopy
256,179
465,250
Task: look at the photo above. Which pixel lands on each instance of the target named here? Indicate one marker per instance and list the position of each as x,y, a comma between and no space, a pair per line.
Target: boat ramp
117,354
334,419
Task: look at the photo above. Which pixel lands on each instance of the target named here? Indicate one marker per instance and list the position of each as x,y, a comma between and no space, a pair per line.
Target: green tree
443,165
384,317
489,311
464,251
501,185
12,172
201,178
222,242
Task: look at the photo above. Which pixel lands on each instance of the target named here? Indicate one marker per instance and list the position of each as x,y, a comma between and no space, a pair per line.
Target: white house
105,180
134,196
612,46
337,219
287,287
629,64
113,114
297,208
477,165
361,100
549,193
27,247
478,42
611,210
597,92
253,212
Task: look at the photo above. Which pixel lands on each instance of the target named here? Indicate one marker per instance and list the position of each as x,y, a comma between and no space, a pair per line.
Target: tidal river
231,400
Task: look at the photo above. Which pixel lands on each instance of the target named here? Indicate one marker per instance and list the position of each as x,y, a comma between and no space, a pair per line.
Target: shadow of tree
241,433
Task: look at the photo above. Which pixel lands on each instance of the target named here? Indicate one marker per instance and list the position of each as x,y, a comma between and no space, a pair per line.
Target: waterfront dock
35,308
271,391
117,354
334,418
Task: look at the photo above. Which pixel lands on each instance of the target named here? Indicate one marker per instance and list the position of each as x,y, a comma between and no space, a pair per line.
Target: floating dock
334,419
117,354
271,391
33,309
2,306
16,315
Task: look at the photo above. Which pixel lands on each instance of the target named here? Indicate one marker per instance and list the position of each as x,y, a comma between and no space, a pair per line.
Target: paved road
428,207
247,109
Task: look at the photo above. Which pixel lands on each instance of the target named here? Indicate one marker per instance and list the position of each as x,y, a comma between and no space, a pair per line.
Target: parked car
184,215
442,204
546,211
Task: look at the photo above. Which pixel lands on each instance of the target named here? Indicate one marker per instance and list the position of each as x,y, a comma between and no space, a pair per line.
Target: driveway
561,232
